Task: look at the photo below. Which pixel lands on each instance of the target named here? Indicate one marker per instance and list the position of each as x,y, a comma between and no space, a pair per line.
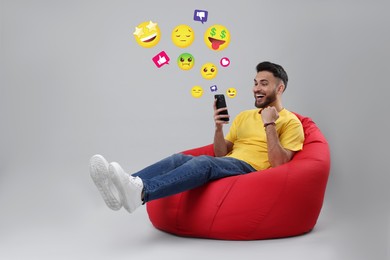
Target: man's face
265,89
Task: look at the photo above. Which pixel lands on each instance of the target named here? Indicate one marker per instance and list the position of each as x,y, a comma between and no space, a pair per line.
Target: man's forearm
277,155
220,146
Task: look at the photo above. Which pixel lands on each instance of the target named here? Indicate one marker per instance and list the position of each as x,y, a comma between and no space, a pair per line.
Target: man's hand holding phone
221,115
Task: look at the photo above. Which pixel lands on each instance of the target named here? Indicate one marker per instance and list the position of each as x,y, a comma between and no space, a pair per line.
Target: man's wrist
218,128
268,124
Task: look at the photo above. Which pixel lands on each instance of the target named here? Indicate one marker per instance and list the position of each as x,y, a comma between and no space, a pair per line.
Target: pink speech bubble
161,59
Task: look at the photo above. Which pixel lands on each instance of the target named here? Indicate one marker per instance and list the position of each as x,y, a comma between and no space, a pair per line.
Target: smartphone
221,102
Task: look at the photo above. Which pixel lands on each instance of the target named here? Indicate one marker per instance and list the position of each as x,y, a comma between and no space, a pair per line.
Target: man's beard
268,101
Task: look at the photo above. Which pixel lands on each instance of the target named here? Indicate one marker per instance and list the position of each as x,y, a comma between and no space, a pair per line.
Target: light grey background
75,83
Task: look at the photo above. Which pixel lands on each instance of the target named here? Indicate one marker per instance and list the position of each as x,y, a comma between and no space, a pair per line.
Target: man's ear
281,88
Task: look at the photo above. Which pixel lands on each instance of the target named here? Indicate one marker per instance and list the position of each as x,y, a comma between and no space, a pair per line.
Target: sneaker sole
100,176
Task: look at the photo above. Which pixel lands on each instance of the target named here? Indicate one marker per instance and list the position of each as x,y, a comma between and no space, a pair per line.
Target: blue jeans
180,172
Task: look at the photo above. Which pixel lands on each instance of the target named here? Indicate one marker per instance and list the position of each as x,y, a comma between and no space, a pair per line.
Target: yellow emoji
147,34
231,92
209,71
217,37
183,36
197,91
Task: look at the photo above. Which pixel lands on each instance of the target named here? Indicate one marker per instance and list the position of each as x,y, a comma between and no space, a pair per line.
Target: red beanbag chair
278,202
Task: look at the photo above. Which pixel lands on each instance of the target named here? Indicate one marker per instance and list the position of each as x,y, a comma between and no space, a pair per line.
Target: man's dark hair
275,69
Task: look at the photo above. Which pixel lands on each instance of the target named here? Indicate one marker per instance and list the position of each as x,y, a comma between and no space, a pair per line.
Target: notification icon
161,59
213,88
200,15
224,62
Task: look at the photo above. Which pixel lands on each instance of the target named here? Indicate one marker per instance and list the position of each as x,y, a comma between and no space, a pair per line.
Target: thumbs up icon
161,59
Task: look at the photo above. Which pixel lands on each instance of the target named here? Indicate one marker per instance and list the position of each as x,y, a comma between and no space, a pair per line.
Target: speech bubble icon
201,15
213,88
161,59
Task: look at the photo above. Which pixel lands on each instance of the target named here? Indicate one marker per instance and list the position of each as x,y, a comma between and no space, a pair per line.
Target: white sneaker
98,168
129,187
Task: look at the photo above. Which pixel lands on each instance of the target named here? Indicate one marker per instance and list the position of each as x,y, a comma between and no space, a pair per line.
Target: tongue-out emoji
215,43
217,37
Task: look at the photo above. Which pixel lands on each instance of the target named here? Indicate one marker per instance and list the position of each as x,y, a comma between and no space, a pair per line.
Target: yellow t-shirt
250,141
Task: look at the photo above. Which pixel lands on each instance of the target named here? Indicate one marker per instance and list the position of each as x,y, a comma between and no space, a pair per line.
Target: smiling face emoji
209,71
217,37
147,34
231,92
197,91
185,61
183,36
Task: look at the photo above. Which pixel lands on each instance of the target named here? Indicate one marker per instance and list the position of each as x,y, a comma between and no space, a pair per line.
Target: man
258,139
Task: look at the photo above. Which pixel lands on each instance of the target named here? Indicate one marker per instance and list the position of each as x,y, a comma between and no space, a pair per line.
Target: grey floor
98,233
57,218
